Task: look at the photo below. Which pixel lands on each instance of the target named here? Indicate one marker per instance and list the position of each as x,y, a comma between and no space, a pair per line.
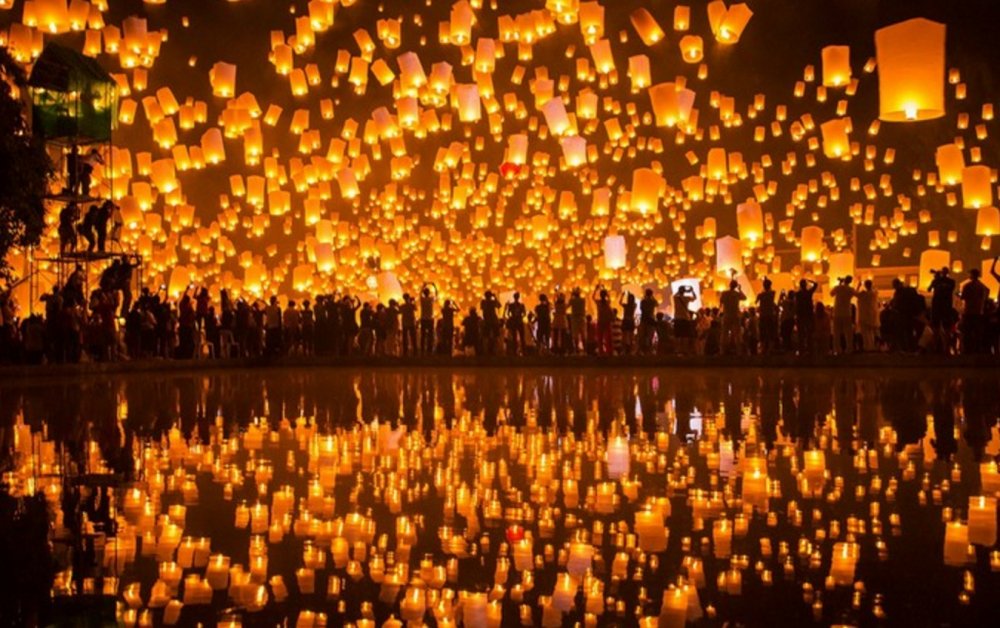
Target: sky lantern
716,167
574,150
469,109
750,222
692,48
646,26
615,252
836,66
950,163
977,188
836,143
840,265
671,103
212,146
647,185
988,221
556,117
389,287
727,23
910,59
932,260
460,24
638,71
52,16
591,21
222,76
811,243
728,255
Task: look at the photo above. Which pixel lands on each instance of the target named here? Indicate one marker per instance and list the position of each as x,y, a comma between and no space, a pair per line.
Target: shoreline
28,373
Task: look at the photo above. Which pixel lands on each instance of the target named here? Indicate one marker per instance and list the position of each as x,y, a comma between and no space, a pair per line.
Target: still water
515,497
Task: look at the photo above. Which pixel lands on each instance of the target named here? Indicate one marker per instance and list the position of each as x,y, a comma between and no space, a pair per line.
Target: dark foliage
25,169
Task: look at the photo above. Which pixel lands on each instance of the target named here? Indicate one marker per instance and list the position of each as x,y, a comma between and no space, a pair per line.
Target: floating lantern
988,221
836,66
931,261
671,103
615,252
750,221
910,61
836,144
727,24
977,189
692,48
222,76
729,255
811,243
950,163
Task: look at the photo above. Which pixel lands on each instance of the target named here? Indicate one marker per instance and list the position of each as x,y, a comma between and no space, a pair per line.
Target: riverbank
867,361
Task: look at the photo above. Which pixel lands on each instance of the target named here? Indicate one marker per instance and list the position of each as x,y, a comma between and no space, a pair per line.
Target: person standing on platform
101,221
67,228
868,316
767,321
974,295
408,314
577,321
730,301
86,227
427,299
843,315
272,328
647,322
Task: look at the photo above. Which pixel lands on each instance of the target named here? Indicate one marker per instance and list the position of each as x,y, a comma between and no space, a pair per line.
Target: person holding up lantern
605,317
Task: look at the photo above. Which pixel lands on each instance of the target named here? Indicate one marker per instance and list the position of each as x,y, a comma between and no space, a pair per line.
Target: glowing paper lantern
841,265
950,163
222,76
647,27
716,163
692,48
555,116
988,221
910,61
977,190
615,252
727,24
836,144
836,66
729,255
932,260
750,221
671,103
646,188
811,243
389,287
180,280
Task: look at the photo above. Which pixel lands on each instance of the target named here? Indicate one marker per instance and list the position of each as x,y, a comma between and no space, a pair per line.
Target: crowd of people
110,325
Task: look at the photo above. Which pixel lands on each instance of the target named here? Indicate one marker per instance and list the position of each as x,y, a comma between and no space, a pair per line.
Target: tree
25,169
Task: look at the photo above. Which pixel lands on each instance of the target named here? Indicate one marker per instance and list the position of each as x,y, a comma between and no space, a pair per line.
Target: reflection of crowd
955,319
